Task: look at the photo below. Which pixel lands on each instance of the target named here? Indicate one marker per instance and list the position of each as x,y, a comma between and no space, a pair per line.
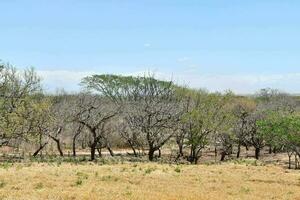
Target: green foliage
281,129
206,114
19,92
120,88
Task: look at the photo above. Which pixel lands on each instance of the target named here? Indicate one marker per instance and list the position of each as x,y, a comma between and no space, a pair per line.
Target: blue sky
243,45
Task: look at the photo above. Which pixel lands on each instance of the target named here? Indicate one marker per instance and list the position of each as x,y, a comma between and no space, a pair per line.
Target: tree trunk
216,153
39,149
159,153
59,147
290,155
110,151
180,147
134,151
93,150
247,148
257,152
191,158
151,154
180,150
74,141
238,151
99,151
270,149
74,146
223,154
83,144
132,147
274,150
194,155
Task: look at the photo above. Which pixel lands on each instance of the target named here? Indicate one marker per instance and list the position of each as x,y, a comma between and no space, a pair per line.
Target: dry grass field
147,181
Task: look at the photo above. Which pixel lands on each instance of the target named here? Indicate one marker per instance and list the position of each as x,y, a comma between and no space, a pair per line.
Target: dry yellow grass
148,181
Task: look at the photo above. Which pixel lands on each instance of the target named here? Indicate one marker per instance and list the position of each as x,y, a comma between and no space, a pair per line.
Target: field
240,180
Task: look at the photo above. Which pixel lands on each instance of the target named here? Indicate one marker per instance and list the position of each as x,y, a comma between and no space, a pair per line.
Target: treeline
145,114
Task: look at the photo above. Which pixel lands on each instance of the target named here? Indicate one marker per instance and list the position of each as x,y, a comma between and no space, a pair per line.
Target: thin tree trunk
247,148
74,145
74,140
74,148
132,147
180,150
134,151
159,153
110,151
257,152
93,150
290,155
59,148
296,162
99,151
192,157
216,153
39,149
238,151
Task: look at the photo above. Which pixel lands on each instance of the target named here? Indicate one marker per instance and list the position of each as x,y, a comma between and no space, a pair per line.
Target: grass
240,180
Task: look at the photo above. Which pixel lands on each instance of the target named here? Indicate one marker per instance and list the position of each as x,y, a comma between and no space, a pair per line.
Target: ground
231,180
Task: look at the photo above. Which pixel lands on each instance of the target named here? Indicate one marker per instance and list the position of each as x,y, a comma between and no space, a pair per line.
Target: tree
284,131
131,137
49,121
94,112
226,139
255,137
268,100
149,105
17,90
206,117
78,131
243,107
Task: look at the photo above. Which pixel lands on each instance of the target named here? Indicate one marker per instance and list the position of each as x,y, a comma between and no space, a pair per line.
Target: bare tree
78,131
94,112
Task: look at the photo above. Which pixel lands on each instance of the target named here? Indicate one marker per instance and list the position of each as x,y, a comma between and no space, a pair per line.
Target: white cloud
69,80
239,83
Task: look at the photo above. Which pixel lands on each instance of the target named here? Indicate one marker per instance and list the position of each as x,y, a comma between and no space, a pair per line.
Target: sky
242,45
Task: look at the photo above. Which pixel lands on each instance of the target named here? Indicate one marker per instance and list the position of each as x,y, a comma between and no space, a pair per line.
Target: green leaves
119,88
18,91
281,129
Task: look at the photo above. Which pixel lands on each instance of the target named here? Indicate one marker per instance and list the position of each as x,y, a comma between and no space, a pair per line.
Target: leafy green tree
206,117
242,109
17,93
283,130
